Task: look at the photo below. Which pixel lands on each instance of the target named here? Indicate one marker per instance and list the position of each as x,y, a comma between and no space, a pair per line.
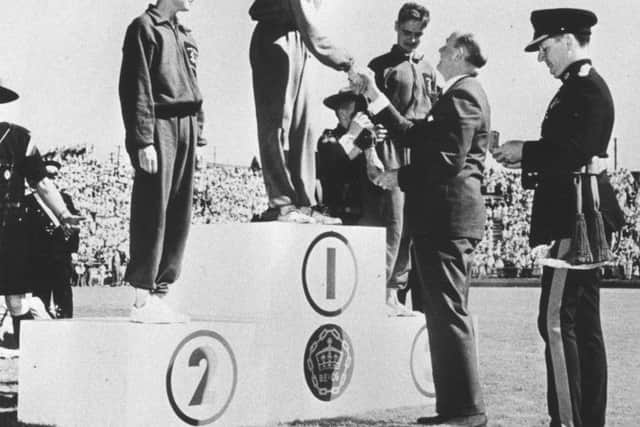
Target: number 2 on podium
204,389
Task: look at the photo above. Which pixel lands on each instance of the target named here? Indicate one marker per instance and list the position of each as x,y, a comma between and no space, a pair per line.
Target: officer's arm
136,96
582,139
47,190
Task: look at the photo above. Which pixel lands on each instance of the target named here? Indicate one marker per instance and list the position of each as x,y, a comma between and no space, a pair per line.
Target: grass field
512,364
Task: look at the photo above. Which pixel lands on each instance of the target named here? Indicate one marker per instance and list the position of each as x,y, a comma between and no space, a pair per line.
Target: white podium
290,323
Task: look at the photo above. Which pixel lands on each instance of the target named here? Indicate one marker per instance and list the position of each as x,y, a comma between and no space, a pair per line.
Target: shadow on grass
348,422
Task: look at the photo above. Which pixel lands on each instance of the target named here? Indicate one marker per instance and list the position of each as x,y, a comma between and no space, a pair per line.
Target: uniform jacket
19,161
577,126
157,76
295,15
448,149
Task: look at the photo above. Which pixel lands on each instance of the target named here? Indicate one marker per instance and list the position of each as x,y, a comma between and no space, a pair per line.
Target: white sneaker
394,307
323,217
156,310
292,214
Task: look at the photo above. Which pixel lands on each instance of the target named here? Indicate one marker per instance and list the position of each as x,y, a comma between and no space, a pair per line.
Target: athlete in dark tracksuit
161,106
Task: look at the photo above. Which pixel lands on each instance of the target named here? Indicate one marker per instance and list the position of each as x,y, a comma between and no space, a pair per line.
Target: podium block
267,270
292,325
110,372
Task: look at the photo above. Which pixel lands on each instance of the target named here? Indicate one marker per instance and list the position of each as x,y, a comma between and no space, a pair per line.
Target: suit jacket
576,127
448,149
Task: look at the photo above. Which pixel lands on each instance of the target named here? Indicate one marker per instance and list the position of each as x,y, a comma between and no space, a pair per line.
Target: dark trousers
161,206
442,267
569,323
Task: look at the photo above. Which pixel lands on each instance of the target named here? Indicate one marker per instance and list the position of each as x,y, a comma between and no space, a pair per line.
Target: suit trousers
442,267
161,206
281,88
569,323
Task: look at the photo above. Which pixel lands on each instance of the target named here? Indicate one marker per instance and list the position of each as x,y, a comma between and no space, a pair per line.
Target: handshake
362,82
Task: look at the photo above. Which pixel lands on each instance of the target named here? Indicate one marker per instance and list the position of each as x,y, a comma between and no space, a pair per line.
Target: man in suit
409,82
576,129
446,216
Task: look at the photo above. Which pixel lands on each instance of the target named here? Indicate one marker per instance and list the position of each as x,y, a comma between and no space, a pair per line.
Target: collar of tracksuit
400,52
158,19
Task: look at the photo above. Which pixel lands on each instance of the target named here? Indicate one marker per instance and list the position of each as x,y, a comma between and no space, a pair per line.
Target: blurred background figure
50,250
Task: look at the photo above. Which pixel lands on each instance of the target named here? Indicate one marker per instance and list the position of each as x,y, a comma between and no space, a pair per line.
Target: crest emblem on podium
328,362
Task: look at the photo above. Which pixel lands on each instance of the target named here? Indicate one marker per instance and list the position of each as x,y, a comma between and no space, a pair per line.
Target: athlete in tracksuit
161,108
282,42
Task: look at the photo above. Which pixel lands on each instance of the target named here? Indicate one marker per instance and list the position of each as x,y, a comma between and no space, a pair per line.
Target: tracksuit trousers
386,208
280,65
161,206
569,323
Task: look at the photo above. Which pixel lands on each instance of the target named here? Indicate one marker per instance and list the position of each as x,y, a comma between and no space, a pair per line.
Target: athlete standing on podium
284,37
162,112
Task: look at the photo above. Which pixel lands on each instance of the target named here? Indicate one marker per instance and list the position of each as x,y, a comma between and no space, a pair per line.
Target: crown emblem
328,362
328,359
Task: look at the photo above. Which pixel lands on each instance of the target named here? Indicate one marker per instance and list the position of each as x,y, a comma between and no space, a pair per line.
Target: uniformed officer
576,128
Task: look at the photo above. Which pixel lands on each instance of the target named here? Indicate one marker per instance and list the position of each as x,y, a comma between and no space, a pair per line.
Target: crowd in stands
222,194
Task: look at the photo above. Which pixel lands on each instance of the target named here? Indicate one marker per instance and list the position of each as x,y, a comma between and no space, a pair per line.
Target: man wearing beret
446,216
342,170
575,131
